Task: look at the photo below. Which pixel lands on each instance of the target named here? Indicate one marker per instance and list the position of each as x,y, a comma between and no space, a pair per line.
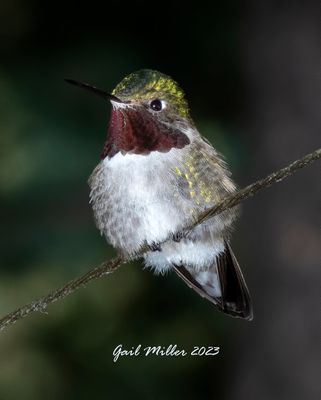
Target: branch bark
110,266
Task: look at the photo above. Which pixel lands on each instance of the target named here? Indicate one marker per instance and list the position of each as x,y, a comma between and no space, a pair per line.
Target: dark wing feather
235,298
189,279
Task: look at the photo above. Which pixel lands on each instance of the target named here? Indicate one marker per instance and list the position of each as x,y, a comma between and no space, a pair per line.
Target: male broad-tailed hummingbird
156,175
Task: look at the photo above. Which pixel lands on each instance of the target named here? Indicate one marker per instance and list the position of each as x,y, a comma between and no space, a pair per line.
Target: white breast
134,200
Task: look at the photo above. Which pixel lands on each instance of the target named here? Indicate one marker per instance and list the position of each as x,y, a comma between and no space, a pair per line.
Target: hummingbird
156,175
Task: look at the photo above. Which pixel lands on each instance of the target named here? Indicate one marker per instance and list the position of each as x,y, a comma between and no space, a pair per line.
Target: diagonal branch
110,266
251,190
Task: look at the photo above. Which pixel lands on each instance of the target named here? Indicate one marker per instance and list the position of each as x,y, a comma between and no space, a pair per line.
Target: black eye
156,105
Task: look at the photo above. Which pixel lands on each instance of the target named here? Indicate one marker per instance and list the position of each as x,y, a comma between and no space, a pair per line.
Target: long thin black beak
93,89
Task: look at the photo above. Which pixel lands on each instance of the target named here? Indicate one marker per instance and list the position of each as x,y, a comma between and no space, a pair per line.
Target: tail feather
223,284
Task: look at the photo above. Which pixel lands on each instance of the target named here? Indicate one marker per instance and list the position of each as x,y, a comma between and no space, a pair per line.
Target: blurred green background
251,71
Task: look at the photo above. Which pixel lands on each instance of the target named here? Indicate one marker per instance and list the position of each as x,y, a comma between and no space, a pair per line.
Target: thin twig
41,304
251,190
110,266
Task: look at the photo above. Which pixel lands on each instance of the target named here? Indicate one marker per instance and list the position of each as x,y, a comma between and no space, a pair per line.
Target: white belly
200,254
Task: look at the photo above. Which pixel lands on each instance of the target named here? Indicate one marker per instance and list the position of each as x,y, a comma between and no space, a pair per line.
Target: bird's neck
138,132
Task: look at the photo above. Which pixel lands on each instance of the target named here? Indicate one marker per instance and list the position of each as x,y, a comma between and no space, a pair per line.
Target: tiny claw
155,247
177,237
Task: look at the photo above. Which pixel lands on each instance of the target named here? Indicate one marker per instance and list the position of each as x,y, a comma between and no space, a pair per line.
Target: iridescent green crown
147,85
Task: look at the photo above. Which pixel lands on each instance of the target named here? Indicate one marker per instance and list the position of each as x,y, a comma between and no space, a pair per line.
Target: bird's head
149,113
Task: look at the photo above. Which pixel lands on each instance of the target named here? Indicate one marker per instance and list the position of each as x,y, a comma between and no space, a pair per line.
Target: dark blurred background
251,71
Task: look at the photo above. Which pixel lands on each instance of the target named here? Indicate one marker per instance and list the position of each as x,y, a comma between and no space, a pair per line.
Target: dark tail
222,284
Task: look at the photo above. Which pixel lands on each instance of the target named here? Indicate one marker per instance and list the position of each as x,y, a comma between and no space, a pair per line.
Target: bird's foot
177,236
155,247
